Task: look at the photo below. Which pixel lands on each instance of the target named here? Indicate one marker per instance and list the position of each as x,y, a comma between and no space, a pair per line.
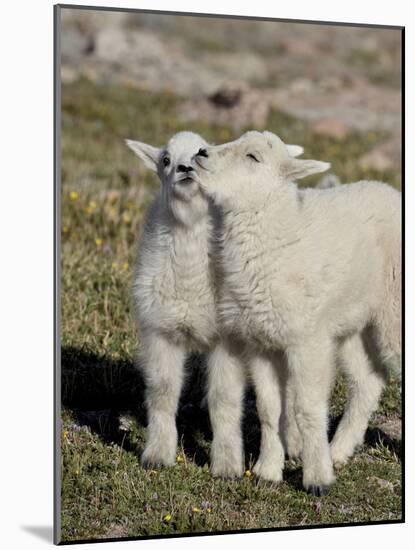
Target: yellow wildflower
98,242
91,207
65,229
248,473
195,509
208,510
179,458
167,518
114,265
125,266
126,218
74,195
65,433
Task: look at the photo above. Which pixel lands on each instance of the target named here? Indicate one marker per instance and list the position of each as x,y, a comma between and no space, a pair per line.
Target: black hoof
319,490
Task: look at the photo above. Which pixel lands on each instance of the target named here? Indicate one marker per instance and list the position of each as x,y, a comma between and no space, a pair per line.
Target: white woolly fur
175,296
314,274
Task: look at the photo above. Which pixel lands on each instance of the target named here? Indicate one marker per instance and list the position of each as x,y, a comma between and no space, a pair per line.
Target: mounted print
228,274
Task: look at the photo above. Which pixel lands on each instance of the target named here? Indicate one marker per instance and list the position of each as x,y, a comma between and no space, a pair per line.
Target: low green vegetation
105,493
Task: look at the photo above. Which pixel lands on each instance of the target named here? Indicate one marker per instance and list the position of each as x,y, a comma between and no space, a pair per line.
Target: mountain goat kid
312,273
175,294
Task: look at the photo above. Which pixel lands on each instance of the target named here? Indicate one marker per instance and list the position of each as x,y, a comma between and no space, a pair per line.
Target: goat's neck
278,211
198,232
189,244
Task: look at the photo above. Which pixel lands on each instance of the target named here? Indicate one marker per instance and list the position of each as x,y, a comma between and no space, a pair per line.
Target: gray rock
392,428
330,127
385,156
75,45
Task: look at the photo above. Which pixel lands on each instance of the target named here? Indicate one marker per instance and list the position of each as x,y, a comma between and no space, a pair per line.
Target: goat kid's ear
295,150
147,153
296,169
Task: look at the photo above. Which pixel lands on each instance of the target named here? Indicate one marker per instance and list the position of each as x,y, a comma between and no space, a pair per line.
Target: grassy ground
105,493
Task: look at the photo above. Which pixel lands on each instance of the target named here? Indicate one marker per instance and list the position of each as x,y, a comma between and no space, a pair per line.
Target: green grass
105,492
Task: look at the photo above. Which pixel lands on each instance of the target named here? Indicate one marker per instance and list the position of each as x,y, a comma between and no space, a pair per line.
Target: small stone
226,98
383,483
377,159
69,74
75,44
392,428
330,127
301,86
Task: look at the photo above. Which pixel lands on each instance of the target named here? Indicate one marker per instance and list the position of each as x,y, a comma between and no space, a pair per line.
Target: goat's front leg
163,365
266,379
226,384
311,365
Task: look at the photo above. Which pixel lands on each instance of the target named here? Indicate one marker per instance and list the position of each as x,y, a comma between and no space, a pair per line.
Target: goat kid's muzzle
186,180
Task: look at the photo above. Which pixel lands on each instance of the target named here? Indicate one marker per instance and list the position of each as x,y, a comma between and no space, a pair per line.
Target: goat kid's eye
253,157
202,153
166,161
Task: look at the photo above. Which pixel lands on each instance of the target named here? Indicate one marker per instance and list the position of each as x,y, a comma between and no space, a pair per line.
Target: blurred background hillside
234,73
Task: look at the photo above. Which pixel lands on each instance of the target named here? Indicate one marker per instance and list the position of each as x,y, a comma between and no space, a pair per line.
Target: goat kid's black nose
183,168
202,153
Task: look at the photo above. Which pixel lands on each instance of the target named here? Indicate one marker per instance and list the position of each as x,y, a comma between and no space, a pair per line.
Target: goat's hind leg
162,362
366,381
290,433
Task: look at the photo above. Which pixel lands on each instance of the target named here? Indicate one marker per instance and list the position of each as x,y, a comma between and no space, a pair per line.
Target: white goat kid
304,271
173,288
174,293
